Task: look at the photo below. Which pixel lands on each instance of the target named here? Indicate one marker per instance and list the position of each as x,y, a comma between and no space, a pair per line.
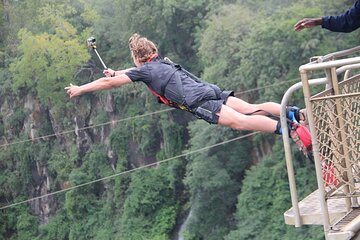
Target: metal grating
347,219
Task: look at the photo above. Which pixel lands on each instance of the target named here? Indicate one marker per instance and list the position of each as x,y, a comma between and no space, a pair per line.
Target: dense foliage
237,190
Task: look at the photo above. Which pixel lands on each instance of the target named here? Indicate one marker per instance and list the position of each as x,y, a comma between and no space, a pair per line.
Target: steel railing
334,120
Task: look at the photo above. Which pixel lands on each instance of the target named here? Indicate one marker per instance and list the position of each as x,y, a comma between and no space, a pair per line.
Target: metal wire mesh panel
337,128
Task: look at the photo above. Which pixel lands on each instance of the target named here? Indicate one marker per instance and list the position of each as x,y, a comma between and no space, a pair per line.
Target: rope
129,171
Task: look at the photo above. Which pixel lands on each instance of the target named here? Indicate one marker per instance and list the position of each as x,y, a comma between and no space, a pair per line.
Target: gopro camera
91,42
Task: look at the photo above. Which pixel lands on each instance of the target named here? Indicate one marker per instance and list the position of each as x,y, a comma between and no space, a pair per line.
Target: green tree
214,180
57,228
46,65
221,44
172,25
151,207
84,206
16,181
25,226
265,197
50,54
2,30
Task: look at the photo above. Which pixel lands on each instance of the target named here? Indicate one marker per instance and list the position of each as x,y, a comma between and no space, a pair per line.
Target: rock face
27,117
46,206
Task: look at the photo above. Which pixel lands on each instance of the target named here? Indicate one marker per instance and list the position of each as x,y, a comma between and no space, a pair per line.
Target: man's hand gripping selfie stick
92,43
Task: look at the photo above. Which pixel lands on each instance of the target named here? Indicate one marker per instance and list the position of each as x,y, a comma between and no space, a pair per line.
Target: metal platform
310,210
347,227
333,116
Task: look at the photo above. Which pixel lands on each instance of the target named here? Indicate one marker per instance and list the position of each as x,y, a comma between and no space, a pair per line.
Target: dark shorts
209,109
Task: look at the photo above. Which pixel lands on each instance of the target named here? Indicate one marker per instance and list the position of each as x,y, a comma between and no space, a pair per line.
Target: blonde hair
141,48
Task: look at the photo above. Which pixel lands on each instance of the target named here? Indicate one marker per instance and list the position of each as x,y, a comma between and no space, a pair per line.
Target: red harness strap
152,56
162,98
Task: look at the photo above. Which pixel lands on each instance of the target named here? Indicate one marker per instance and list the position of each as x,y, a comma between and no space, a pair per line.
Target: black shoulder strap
165,83
179,67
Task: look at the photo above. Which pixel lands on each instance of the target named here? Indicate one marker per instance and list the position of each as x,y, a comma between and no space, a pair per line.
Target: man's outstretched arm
103,83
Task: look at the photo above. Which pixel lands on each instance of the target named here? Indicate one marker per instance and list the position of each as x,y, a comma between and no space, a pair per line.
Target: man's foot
294,113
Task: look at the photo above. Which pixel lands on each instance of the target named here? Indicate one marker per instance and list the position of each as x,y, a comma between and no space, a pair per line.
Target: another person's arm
346,22
307,23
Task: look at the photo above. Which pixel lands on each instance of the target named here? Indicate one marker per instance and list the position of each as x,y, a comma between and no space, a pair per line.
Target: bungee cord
128,171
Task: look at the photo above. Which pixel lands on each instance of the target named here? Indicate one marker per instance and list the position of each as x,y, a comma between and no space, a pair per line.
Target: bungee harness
180,104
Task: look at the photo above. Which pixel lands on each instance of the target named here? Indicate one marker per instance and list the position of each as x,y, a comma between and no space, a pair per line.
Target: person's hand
307,23
73,90
109,72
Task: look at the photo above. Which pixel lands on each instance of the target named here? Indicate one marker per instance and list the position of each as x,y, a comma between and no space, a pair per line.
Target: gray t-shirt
170,81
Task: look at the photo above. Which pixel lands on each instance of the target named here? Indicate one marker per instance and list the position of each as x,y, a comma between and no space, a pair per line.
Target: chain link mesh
337,128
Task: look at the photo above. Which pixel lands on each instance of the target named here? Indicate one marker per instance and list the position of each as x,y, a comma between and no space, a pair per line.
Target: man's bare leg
233,119
243,107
